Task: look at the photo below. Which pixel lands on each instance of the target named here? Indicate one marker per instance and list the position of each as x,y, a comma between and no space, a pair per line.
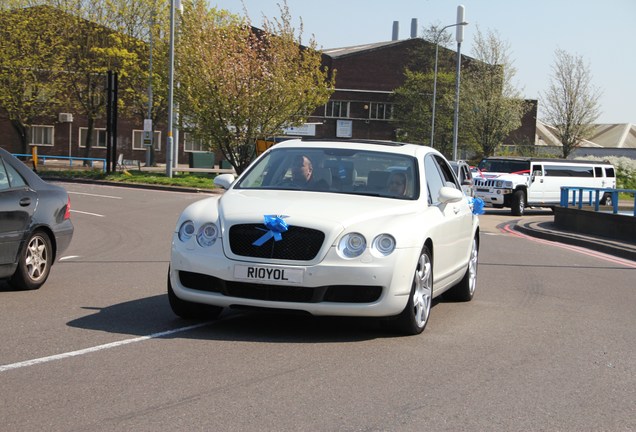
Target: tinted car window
4,178
507,166
568,171
333,170
434,179
15,179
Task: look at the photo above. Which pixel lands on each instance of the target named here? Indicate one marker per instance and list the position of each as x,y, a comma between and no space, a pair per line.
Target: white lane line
64,258
95,195
87,213
66,355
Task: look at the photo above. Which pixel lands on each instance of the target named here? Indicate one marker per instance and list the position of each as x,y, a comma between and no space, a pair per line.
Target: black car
35,224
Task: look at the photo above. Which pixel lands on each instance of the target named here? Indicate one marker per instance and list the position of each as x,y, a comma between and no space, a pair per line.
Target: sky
601,32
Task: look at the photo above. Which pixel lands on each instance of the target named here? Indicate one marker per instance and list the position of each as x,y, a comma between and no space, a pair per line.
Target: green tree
238,84
491,107
30,85
144,85
95,47
571,101
413,110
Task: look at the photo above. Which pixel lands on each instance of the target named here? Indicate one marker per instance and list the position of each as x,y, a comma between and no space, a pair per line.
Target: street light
459,36
169,145
439,34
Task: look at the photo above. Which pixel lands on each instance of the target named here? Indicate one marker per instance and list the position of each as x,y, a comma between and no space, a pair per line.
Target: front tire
465,289
35,262
518,203
189,310
414,317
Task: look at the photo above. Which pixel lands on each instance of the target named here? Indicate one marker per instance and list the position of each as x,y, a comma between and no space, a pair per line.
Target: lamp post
459,36
439,34
169,146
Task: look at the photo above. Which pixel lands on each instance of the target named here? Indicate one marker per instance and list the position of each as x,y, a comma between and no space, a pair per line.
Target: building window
99,137
42,135
192,143
337,109
380,111
138,140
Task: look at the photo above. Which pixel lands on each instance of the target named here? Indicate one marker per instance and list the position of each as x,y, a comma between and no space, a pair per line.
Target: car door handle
25,202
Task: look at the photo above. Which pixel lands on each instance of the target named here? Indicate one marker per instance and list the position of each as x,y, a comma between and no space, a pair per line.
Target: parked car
35,224
465,176
329,228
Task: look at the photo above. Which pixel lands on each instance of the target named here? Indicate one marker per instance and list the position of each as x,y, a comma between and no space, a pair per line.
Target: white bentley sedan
369,229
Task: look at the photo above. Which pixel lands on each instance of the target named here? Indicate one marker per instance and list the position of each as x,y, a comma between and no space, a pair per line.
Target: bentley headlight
352,245
186,230
207,235
384,244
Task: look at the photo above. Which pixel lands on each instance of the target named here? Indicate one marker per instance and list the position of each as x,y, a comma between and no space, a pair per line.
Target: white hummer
518,183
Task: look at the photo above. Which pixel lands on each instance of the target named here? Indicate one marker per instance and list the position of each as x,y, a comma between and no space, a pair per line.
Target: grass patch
190,180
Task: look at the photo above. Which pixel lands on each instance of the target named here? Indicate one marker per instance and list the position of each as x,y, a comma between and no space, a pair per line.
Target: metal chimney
396,30
413,28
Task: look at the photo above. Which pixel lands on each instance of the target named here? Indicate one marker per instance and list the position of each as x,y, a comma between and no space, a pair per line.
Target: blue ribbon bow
275,227
478,205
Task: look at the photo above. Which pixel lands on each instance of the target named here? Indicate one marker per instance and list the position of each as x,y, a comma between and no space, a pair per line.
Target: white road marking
87,213
68,257
95,195
66,355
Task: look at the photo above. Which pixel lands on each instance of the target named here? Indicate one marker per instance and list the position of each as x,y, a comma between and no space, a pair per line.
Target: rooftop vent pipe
396,30
413,28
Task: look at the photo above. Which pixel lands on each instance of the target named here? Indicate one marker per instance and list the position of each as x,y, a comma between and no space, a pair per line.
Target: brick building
366,76
361,107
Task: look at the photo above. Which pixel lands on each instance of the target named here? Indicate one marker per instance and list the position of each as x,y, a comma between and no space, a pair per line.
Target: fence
574,196
69,158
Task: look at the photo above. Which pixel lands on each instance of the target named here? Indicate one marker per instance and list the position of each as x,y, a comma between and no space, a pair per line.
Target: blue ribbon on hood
275,227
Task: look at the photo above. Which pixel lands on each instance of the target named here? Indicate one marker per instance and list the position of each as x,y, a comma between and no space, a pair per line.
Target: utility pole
460,37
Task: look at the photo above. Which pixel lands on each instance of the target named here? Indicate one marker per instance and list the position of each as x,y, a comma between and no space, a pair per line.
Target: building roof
351,50
621,135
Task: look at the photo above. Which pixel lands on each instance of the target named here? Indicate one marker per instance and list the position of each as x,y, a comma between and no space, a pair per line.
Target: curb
549,231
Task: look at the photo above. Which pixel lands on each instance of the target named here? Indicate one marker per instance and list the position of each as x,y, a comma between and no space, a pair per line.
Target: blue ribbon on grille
275,227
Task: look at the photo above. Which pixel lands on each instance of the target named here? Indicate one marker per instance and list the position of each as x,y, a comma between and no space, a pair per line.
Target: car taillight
67,213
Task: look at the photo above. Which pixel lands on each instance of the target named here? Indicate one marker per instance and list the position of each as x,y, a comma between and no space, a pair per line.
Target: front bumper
323,289
493,197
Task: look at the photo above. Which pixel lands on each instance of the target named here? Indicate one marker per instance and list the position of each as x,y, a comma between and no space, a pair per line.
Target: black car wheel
518,203
414,317
35,262
607,199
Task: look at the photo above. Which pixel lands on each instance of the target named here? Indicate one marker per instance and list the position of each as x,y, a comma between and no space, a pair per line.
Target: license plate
482,190
269,274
